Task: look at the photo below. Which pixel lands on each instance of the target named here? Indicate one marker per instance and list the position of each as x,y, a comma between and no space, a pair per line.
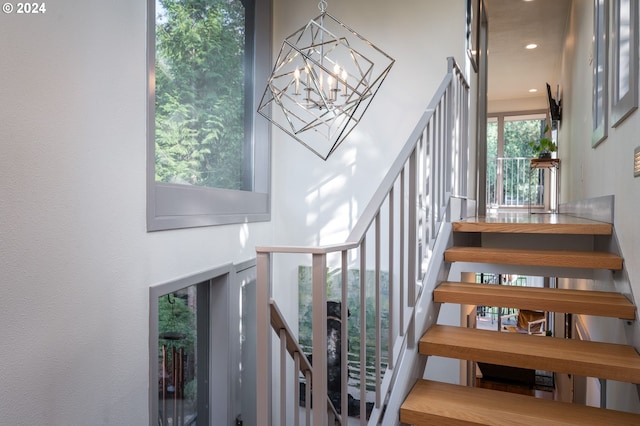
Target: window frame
175,206
502,117
623,104
600,98
214,288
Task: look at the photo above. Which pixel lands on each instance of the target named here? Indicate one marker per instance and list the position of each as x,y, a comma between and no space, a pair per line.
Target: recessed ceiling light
531,46
533,90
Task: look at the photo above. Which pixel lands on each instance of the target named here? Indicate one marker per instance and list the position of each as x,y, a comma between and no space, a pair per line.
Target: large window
625,60
208,158
509,181
182,362
193,350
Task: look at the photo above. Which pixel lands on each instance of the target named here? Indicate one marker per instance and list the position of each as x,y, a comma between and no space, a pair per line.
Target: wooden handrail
293,348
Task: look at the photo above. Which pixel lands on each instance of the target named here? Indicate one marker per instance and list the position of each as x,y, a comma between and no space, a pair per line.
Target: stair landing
523,223
533,224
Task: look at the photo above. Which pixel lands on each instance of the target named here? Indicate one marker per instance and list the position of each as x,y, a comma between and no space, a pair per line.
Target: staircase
401,234
435,403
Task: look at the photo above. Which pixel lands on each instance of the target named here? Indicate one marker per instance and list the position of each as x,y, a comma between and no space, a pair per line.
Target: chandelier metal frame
323,81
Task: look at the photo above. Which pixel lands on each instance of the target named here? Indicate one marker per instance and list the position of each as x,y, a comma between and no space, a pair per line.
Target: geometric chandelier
322,83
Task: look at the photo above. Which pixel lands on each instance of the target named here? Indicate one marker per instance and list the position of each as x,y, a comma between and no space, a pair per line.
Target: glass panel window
182,356
623,49
625,60
492,137
208,157
509,183
518,132
192,380
600,71
200,101
492,161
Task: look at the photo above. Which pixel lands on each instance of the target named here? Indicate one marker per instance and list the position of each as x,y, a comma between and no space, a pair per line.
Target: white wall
326,198
605,170
76,261
320,201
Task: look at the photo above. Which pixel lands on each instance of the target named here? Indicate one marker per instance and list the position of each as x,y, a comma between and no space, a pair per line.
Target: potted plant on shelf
544,146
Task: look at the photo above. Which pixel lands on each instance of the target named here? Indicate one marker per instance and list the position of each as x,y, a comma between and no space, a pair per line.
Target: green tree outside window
200,96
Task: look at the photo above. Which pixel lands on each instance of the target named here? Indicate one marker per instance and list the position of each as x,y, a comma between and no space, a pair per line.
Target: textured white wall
319,202
326,198
76,261
605,170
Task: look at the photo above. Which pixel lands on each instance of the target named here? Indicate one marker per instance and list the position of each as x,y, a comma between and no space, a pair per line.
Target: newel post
319,338
263,338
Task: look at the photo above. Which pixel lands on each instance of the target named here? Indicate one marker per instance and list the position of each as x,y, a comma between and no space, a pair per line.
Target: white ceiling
513,24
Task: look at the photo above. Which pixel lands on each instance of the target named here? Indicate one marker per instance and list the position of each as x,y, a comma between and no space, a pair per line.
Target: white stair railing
386,259
512,183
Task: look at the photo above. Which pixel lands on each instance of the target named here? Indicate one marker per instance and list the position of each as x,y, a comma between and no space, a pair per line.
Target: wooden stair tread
584,358
533,224
431,403
599,303
559,258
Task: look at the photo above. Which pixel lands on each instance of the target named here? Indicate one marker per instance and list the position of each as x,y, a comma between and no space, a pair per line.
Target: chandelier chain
322,6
